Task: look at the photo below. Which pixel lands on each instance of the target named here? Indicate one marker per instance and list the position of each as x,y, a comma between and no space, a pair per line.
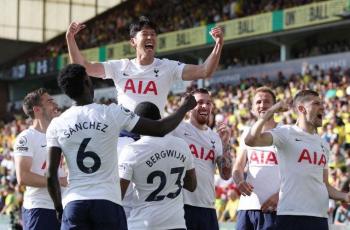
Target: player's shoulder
283,127
27,134
165,61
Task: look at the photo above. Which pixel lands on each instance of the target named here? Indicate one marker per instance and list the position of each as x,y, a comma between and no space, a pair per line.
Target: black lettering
163,154
66,133
71,131
149,163
245,26
98,126
78,126
182,158
85,123
157,156
104,128
170,153
153,160
93,125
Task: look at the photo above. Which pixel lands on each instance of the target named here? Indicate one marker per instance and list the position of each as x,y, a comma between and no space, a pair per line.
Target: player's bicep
23,165
325,176
148,127
193,72
190,180
264,139
95,69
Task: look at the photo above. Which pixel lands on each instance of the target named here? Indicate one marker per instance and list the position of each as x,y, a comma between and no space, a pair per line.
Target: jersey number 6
82,154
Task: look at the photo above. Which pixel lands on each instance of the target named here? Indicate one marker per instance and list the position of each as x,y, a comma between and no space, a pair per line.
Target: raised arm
92,69
163,126
224,162
206,70
255,136
53,184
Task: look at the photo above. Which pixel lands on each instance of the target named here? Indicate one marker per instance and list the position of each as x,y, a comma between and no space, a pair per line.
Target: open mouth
319,116
149,46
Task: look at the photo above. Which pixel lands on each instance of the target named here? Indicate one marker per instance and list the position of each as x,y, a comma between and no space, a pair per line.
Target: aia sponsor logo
201,153
140,87
312,158
263,158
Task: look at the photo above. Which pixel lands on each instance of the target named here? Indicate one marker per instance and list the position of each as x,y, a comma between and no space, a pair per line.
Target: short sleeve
125,165
279,136
113,67
177,69
22,146
125,118
51,135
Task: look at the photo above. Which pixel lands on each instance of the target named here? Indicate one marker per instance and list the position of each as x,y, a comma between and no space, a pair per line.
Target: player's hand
217,34
281,106
347,198
189,102
74,28
270,205
224,133
245,188
63,181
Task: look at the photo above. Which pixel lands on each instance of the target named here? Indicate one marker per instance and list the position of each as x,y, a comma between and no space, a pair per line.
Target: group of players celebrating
129,167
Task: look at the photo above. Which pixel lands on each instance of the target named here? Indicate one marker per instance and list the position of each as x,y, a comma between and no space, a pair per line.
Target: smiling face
47,109
262,101
145,42
200,114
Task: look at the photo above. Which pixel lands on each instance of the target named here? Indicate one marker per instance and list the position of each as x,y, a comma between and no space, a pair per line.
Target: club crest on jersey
213,144
315,158
125,74
140,87
156,71
200,153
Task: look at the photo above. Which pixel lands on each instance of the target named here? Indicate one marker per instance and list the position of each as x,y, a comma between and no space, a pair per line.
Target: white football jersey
157,166
88,137
206,147
262,169
302,158
137,83
32,143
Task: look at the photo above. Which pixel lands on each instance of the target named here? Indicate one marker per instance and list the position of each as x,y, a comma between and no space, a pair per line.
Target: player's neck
40,125
305,126
197,125
144,59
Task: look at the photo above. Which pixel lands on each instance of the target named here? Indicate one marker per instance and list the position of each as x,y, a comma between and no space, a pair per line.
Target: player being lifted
86,134
145,78
159,168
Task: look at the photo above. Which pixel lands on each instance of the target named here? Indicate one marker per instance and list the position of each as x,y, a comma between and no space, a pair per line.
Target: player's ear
133,42
301,109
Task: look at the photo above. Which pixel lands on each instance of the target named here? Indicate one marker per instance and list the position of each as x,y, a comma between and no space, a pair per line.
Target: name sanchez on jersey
85,125
163,154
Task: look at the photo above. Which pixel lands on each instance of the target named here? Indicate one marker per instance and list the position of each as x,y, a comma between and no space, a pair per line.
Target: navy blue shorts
198,218
255,220
93,214
39,219
287,222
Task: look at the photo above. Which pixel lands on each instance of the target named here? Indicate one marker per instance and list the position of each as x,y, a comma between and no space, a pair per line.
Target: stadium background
287,45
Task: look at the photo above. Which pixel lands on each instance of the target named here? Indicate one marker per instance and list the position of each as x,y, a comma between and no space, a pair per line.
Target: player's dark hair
265,89
148,110
32,99
304,95
200,90
142,22
71,80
